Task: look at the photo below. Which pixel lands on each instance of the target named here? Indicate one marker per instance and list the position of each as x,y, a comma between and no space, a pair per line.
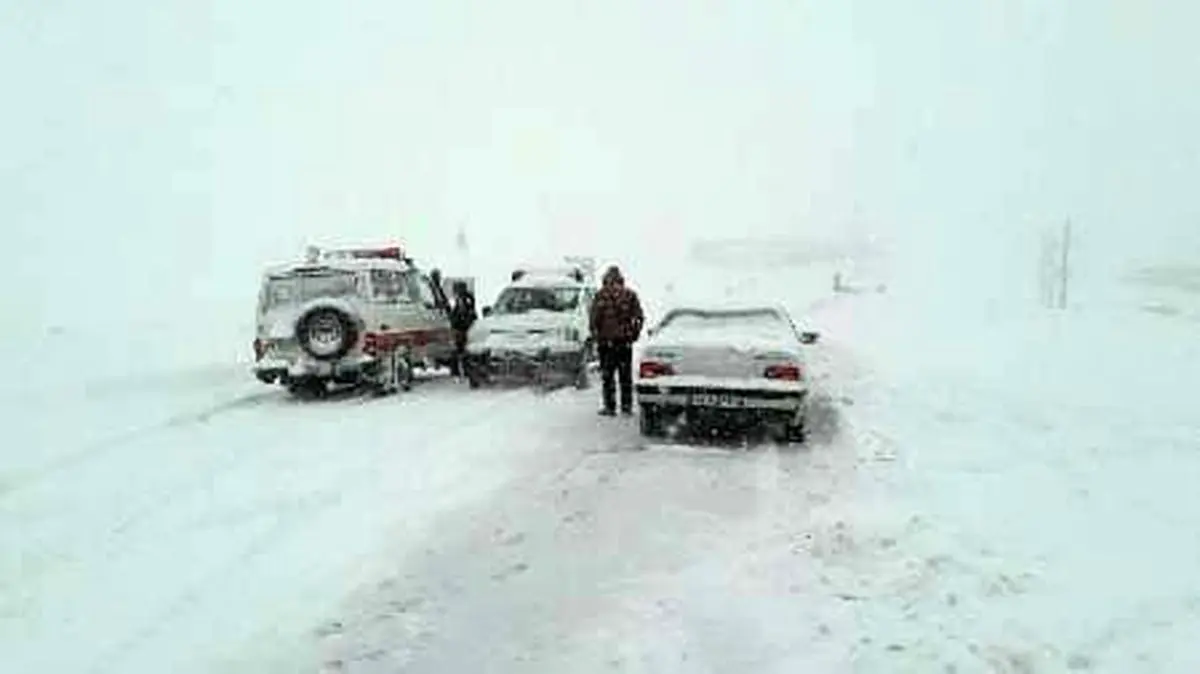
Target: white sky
167,150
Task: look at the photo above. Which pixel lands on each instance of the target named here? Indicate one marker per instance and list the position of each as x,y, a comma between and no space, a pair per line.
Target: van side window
428,298
412,286
386,286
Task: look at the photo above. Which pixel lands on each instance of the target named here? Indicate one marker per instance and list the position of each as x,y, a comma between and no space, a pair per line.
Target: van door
433,339
395,311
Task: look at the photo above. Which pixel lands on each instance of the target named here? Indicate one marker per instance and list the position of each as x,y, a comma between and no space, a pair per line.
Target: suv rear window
298,288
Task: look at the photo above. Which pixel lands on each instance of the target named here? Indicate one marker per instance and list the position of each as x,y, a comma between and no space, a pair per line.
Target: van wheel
476,376
582,380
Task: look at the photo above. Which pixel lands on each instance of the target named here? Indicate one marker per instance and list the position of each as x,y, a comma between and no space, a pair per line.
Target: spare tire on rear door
326,333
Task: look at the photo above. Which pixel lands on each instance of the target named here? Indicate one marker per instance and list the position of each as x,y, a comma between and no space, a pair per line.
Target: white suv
536,331
356,317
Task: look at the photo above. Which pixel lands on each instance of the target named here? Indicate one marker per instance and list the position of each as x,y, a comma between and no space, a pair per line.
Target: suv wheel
404,372
308,389
326,333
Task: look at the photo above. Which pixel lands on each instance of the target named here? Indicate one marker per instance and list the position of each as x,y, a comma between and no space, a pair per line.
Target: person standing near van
462,317
616,323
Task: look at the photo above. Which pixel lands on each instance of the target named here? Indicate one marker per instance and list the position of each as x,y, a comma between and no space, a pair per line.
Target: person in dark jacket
462,317
616,323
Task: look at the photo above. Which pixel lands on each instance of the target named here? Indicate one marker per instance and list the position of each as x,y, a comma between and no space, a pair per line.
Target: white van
537,329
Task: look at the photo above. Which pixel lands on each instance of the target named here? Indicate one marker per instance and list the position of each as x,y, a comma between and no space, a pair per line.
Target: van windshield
299,288
519,299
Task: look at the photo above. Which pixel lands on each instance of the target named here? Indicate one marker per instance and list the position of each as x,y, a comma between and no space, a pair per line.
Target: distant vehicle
536,331
362,316
725,369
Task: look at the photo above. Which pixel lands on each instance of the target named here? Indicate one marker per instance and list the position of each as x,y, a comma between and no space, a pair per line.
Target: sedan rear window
720,320
729,325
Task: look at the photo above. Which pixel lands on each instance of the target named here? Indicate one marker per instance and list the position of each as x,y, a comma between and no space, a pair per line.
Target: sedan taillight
786,372
260,349
650,369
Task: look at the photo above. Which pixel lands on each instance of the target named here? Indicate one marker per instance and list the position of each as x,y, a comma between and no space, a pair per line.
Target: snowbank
1039,465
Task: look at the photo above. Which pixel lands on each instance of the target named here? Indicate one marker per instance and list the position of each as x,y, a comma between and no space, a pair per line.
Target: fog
155,156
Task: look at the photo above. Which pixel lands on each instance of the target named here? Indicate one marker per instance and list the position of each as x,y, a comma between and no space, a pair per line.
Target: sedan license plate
723,400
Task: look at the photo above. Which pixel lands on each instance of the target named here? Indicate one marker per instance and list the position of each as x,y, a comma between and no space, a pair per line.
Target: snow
986,490
738,331
993,500
339,264
998,489
1046,461
232,528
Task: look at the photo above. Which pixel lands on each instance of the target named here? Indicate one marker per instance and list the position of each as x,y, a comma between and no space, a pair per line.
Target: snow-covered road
983,496
986,505
223,532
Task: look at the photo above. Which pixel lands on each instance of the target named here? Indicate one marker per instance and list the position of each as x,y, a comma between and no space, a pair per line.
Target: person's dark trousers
457,368
616,362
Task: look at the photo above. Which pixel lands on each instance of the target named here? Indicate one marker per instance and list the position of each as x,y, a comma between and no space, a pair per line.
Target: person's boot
607,412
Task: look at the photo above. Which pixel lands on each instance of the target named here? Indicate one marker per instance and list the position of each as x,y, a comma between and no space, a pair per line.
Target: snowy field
987,492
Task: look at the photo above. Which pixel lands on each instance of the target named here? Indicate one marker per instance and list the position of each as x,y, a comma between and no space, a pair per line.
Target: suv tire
326,333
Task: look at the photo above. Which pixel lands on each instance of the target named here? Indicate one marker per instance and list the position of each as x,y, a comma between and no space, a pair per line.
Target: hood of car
535,321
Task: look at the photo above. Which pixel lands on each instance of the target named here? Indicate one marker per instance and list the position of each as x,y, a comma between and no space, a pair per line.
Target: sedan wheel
650,422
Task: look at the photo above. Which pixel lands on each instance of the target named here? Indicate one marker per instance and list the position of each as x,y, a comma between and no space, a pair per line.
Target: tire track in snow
196,415
606,521
102,448
487,597
348,479
233,458
109,543
163,499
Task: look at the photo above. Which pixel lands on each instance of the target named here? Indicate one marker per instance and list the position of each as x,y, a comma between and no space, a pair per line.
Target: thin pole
1066,260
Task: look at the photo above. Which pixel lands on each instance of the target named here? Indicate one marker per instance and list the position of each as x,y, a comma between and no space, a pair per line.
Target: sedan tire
650,421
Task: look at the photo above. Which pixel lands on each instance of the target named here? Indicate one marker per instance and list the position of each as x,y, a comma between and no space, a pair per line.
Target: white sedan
725,369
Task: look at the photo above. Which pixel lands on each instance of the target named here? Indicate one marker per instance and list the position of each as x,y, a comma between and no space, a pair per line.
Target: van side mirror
809,337
487,311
